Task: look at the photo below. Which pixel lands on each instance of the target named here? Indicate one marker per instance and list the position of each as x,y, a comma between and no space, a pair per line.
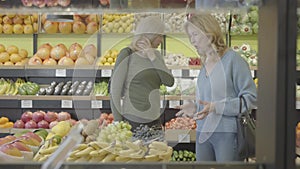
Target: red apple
30,125
63,116
38,116
43,124
50,116
52,124
26,116
19,124
110,117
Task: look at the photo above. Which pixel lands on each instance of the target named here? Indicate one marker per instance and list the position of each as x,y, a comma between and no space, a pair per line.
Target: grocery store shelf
50,97
143,165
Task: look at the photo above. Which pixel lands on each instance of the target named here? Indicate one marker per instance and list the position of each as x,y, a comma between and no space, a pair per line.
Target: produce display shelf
53,97
138,165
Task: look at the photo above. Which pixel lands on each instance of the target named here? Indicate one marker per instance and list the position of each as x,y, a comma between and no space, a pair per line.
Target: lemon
110,60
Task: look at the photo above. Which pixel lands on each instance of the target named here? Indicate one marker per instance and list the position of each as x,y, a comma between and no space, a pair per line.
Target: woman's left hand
208,108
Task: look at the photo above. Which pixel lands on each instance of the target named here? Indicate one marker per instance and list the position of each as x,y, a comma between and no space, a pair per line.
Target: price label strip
177,72
26,103
96,104
184,138
174,104
106,73
66,104
61,73
194,73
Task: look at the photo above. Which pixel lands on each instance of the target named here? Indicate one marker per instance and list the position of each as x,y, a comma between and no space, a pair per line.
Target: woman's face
199,40
157,41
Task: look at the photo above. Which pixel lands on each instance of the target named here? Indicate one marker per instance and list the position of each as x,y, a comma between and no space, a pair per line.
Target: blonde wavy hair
207,23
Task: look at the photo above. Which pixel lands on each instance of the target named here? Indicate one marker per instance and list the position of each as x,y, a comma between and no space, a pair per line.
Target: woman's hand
208,108
145,48
144,44
187,110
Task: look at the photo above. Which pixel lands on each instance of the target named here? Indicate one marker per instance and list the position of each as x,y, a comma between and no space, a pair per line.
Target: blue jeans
219,147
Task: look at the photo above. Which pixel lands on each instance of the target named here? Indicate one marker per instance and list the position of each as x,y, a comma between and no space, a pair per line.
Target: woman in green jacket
139,72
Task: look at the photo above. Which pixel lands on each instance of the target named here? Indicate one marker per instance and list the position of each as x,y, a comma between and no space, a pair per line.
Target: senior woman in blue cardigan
223,78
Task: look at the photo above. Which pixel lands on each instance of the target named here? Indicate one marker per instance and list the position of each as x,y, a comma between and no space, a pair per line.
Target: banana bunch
103,152
94,152
159,151
19,82
48,148
8,87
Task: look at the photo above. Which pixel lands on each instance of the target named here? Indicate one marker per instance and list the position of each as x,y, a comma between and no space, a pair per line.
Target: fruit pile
41,119
256,81
172,59
245,23
247,52
18,24
221,18
61,55
101,89
21,146
181,123
46,3
12,55
298,134
5,123
106,119
109,58
82,24
175,22
53,140
117,23
83,88
183,155
148,134
97,151
195,61
11,88
27,88
120,131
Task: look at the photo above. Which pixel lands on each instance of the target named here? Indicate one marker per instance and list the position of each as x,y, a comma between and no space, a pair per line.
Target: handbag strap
244,123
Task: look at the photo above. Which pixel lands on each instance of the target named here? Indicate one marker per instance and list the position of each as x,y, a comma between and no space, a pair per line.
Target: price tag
162,104
66,104
184,138
253,73
297,104
61,73
194,73
177,72
173,104
26,103
96,104
106,73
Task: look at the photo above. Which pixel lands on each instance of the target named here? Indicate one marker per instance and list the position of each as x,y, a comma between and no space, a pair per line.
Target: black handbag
245,132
